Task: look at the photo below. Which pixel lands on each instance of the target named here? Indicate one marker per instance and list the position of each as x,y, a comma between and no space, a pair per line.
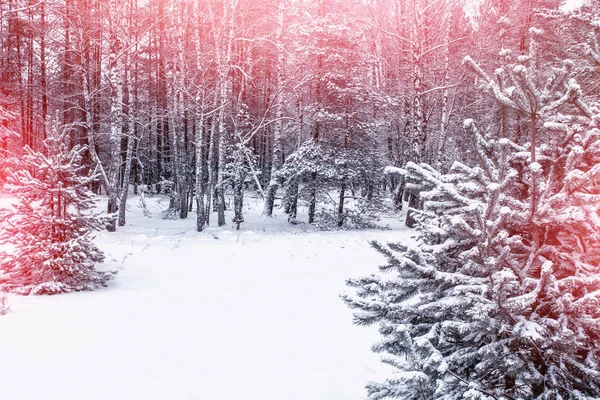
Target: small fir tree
49,228
498,297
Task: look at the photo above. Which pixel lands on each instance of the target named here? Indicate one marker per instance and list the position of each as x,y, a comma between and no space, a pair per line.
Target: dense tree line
289,99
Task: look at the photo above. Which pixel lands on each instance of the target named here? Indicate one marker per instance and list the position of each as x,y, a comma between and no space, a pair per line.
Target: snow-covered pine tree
498,296
313,157
50,226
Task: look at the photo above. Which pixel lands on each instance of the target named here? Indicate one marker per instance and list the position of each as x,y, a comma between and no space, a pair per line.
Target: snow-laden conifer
498,298
49,229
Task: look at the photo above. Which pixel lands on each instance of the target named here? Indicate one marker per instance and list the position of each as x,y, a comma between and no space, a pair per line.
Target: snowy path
189,316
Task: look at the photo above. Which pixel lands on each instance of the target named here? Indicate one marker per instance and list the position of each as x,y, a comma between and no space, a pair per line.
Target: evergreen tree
498,297
50,226
341,107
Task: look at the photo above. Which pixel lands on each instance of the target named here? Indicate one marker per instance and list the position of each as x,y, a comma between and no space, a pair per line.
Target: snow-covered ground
253,314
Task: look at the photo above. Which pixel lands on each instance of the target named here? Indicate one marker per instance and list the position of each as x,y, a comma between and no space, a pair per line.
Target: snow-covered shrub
499,297
50,226
327,220
170,213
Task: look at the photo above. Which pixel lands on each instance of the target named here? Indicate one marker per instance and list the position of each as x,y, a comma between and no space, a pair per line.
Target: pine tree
51,224
498,297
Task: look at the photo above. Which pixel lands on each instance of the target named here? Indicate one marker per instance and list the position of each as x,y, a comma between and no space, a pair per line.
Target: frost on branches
50,227
500,296
5,135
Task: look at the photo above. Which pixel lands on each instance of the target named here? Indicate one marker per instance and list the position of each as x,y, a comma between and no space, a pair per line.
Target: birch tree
277,157
115,78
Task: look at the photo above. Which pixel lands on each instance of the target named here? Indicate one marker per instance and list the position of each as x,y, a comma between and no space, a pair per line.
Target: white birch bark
129,152
224,50
277,160
199,126
441,138
115,82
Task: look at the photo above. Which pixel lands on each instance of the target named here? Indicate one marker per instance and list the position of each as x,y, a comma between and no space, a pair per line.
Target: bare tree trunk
174,124
398,193
277,160
126,177
224,59
413,203
441,139
201,218
200,212
211,169
222,161
116,110
291,199
238,197
43,79
181,118
340,216
129,153
419,121
91,130
312,205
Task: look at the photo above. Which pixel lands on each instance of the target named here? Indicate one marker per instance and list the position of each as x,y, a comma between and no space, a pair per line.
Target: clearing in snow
222,314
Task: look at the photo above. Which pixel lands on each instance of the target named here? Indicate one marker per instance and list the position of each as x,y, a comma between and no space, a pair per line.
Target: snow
570,5
391,170
519,69
536,31
493,187
529,330
535,167
505,210
222,314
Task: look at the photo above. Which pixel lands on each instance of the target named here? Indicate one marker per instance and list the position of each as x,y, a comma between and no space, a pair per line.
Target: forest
475,124
296,99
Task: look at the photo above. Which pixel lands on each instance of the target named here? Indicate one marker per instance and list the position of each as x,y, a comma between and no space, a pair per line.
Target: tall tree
496,298
51,225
